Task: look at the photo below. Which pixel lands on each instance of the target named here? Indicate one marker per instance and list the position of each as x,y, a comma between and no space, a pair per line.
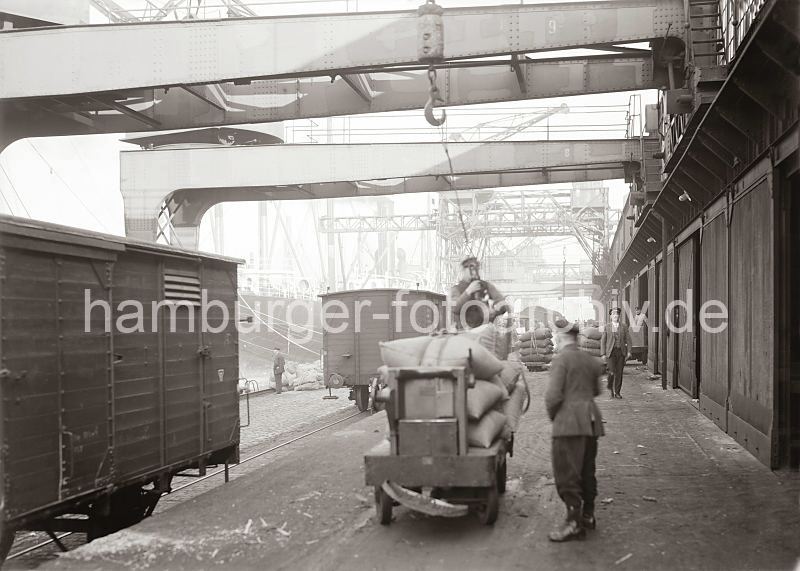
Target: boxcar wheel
489,511
362,397
6,541
502,473
383,505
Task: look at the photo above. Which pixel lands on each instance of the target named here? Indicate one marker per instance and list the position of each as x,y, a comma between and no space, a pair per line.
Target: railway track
15,555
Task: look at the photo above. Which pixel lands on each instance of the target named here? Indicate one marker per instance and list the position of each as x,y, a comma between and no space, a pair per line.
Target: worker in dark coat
577,424
615,348
278,365
473,301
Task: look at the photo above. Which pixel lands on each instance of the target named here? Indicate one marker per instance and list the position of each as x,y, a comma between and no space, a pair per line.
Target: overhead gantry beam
87,59
192,180
309,97
178,75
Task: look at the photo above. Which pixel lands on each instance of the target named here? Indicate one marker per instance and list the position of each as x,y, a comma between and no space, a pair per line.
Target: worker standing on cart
473,301
577,424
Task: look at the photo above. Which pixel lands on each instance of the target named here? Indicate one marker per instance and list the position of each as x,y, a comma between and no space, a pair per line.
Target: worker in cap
474,301
278,365
577,424
615,349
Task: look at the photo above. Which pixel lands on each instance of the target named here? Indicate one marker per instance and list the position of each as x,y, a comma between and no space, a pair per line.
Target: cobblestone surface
675,493
274,414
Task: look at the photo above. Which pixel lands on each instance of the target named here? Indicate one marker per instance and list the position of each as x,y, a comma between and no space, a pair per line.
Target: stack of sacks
589,340
309,377
485,335
447,350
494,338
536,347
512,379
486,422
504,336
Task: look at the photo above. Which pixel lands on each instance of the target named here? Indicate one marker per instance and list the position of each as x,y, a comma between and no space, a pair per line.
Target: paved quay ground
676,493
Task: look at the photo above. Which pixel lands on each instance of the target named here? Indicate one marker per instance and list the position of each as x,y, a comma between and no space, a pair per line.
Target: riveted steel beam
311,97
86,59
149,178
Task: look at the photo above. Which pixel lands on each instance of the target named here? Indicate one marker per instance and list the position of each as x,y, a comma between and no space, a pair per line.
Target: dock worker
615,349
278,365
577,424
474,301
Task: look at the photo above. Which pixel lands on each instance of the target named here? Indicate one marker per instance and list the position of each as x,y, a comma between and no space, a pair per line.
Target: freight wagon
98,413
355,321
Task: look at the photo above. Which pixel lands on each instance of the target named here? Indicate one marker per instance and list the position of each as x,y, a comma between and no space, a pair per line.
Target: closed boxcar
97,414
355,321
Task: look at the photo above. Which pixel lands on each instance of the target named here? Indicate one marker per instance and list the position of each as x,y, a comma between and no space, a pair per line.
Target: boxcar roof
77,236
375,290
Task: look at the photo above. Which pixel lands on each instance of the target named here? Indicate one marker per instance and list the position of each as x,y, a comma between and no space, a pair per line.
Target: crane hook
434,98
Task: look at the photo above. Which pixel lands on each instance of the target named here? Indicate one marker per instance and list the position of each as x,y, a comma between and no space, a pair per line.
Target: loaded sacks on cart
451,423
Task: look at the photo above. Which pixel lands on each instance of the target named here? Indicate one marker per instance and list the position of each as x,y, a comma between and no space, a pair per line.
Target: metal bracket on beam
355,85
731,140
523,87
723,155
756,92
125,110
202,97
745,126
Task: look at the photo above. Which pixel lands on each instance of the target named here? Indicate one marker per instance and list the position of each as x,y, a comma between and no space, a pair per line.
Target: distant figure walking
278,365
615,348
577,424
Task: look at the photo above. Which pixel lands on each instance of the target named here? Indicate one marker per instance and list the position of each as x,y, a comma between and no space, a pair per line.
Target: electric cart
426,463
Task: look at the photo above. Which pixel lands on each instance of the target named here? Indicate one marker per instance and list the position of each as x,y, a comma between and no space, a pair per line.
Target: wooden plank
654,316
752,314
714,345
670,319
685,342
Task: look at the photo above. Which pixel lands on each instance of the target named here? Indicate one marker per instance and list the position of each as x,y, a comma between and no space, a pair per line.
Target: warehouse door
654,317
670,320
751,392
686,322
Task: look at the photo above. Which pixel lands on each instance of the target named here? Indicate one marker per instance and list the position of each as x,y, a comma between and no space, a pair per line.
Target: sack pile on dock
300,376
536,347
589,340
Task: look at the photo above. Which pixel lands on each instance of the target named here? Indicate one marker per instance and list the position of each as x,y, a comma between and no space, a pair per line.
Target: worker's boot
571,529
587,518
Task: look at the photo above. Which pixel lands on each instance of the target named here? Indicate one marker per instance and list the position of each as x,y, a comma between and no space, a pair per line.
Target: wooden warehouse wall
728,255
751,348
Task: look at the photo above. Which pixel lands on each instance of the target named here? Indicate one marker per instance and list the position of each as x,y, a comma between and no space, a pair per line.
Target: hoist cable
449,179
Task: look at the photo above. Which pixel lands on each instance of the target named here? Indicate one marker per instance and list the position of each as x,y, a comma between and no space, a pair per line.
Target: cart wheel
362,397
383,506
488,513
6,541
501,477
